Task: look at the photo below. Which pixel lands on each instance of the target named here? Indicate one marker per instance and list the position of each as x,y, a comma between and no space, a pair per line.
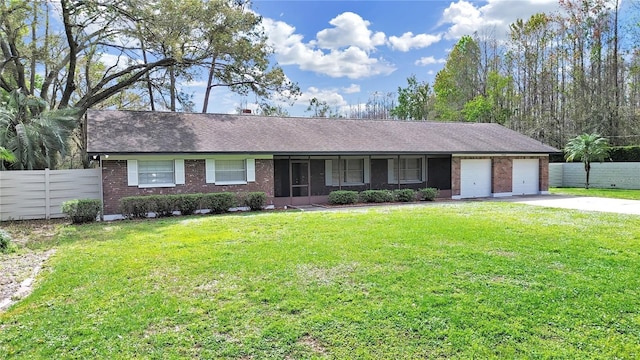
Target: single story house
298,161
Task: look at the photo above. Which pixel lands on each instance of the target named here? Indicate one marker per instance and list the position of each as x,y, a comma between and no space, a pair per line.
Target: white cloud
352,62
465,18
352,89
429,60
117,62
349,30
331,96
410,41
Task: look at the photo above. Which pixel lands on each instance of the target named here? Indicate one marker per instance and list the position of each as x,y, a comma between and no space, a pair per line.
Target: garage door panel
525,176
475,178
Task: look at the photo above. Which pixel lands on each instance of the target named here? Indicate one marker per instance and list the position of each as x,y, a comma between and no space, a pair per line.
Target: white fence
605,175
38,194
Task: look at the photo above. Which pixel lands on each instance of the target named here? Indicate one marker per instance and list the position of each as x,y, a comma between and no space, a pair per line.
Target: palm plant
587,148
6,155
35,136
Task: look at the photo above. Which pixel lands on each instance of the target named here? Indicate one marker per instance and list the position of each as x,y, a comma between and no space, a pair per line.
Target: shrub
429,194
136,207
219,203
254,200
187,204
625,154
5,242
404,195
376,196
343,197
82,210
162,205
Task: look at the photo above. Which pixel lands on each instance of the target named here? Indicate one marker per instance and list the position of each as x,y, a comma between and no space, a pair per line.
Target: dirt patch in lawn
18,273
18,270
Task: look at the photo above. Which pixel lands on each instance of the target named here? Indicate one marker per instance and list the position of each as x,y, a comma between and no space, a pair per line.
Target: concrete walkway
620,206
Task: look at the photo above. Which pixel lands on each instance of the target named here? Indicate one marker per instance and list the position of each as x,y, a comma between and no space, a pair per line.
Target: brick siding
114,182
501,173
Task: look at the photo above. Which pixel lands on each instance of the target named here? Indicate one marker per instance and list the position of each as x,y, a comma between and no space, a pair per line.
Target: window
410,170
230,171
156,173
349,171
352,171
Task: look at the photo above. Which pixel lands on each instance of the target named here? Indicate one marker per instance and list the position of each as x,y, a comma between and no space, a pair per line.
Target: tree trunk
207,91
587,168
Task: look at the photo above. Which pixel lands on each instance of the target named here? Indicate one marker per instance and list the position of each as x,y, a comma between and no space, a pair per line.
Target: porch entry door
299,178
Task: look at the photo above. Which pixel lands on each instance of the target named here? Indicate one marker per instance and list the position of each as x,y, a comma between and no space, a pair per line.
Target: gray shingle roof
112,132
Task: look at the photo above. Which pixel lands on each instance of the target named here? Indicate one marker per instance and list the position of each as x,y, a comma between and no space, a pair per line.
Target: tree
414,101
35,136
587,148
155,43
319,108
459,81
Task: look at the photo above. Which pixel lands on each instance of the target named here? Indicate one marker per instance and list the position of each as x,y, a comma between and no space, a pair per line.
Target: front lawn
449,280
606,193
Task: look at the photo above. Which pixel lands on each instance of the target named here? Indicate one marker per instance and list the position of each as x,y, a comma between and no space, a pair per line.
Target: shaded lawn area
451,280
606,193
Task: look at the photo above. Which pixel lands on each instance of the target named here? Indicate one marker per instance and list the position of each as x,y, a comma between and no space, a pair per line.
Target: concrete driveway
619,206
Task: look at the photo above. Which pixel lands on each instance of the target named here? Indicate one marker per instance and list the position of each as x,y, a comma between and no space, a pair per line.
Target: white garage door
525,176
475,178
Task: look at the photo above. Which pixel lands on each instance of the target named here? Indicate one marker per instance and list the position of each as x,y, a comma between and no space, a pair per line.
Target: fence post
47,195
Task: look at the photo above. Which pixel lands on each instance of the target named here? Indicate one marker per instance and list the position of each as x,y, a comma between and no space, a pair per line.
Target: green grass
607,193
452,280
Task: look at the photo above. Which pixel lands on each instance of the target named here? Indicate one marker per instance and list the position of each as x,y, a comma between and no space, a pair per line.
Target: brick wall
455,176
114,182
543,170
501,175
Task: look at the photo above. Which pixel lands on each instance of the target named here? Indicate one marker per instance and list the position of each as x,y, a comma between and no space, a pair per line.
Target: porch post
309,179
369,172
290,183
339,173
398,174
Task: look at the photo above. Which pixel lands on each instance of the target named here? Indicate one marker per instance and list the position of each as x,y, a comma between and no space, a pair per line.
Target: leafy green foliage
254,200
587,148
625,154
375,196
218,203
5,241
404,195
6,155
414,101
136,207
342,197
82,210
33,137
187,204
429,194
436,281
458,82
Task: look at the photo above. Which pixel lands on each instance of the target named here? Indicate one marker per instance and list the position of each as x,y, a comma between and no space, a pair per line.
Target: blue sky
342,52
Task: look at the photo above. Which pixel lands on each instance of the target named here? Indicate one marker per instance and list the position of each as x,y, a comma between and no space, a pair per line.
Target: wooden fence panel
39,194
